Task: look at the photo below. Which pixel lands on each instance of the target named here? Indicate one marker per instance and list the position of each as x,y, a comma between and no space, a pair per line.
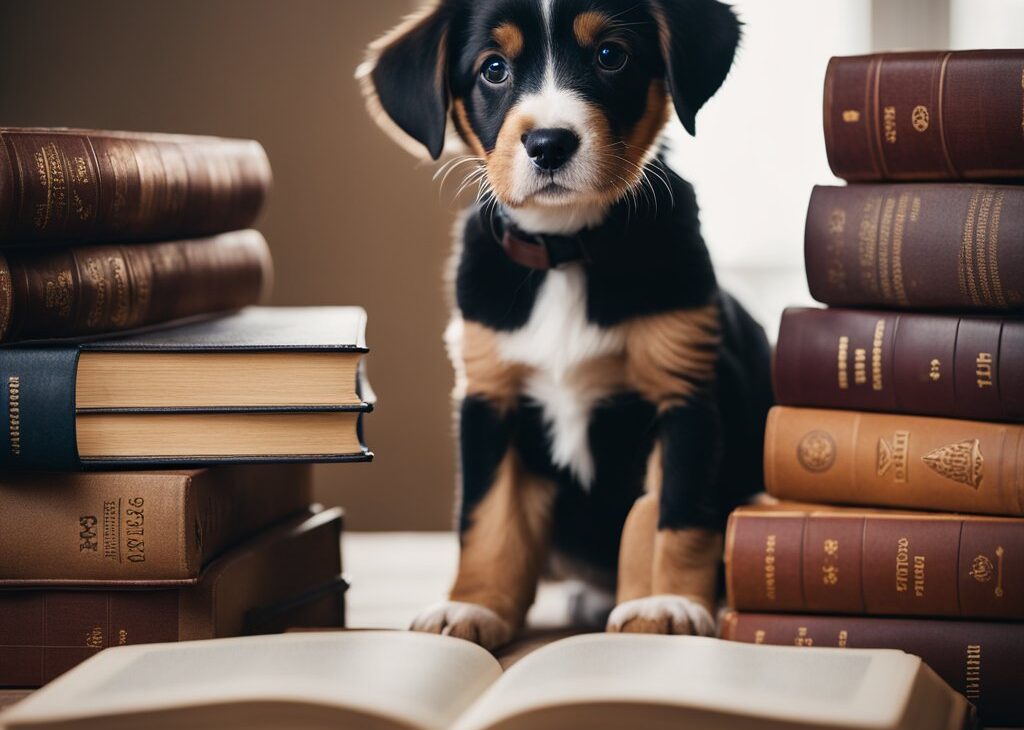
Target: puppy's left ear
698,42
405,80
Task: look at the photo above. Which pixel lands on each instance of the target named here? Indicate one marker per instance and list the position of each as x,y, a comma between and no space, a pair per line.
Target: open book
392,681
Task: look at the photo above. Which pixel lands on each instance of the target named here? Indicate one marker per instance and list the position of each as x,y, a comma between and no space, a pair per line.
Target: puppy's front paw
664,614
470,621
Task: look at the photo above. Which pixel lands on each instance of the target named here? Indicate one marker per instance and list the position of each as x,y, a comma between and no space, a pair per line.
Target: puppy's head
561,101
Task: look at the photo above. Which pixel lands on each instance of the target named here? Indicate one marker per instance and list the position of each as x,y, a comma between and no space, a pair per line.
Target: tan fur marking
686,564
504,548
587,27
646,131
636,551
465,129
487,374
510,40
501,161
672,355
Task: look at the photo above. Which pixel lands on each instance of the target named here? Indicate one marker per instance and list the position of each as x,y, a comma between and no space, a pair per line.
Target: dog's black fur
645,255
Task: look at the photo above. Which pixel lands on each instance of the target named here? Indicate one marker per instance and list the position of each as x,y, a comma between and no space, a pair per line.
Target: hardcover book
894,461
901,362
946,247
78,185
93,289
979,659
132,528
266,384
932,115
392,680
287,576
807,559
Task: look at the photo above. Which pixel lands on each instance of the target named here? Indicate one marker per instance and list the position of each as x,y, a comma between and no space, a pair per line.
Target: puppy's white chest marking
555,341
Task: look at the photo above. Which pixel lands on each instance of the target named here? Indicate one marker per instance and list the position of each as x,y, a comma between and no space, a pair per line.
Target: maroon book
913,246
933,115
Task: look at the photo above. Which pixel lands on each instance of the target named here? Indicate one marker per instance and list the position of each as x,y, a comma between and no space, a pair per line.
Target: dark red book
932,115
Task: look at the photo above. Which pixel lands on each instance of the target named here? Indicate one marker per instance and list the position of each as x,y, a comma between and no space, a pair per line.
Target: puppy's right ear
405,80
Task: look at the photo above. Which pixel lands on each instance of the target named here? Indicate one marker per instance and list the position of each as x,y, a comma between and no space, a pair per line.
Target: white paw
467,621
664,614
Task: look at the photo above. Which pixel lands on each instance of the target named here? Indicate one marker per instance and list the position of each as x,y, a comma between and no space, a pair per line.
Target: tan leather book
288,576
879,459
803,558
138,528
410,681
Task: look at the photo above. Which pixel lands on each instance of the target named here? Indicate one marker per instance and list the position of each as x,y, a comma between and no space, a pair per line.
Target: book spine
916,246
45,633
74,187
875,563
926,116
137,528
894,461
981,660
86,290
937,365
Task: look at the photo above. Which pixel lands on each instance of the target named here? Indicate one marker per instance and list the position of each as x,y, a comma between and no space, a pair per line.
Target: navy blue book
266,384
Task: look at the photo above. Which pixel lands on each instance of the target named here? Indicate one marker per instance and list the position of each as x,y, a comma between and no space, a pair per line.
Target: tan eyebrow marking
509,38
588,26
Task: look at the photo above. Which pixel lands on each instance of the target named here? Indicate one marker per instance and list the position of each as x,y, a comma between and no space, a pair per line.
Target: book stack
904,400
158,427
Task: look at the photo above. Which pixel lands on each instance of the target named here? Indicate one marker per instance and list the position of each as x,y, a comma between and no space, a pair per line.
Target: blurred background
352,219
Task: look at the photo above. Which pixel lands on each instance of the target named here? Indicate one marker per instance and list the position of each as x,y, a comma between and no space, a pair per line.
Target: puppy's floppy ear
698,42
405,80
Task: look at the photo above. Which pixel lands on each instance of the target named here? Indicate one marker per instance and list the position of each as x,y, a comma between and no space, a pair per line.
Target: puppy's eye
495,70
611,56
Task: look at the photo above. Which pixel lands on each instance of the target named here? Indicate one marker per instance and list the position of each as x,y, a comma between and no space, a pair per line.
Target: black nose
550,148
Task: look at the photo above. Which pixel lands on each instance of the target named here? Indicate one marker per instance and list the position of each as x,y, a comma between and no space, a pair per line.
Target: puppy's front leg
687,544
505,513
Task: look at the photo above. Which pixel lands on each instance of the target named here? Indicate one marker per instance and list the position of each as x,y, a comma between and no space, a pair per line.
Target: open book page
415,680
824,687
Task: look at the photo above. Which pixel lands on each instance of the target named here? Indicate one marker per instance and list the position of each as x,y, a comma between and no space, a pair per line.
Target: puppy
611,397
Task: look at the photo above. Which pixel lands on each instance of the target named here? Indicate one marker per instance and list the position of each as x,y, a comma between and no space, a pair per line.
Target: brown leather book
131,528
955,246
87,290
288,576
981,660
894,461
79,185
899,362
934,115
799,558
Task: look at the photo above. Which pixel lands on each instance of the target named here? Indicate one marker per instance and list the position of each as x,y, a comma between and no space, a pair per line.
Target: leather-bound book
935,115
77,185
267,384
981,660
954,247
94,289
901,362
798,558
138,527
886,460
287,576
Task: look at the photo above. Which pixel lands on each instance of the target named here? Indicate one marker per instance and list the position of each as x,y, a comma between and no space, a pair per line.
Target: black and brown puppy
611,396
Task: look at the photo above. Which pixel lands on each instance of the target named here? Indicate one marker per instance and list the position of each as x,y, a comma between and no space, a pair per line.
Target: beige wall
351,220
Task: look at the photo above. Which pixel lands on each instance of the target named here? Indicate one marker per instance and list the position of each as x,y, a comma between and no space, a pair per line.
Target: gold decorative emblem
851,116
59,293
816,451
935,370
919,118
962,462
983,570
893,456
